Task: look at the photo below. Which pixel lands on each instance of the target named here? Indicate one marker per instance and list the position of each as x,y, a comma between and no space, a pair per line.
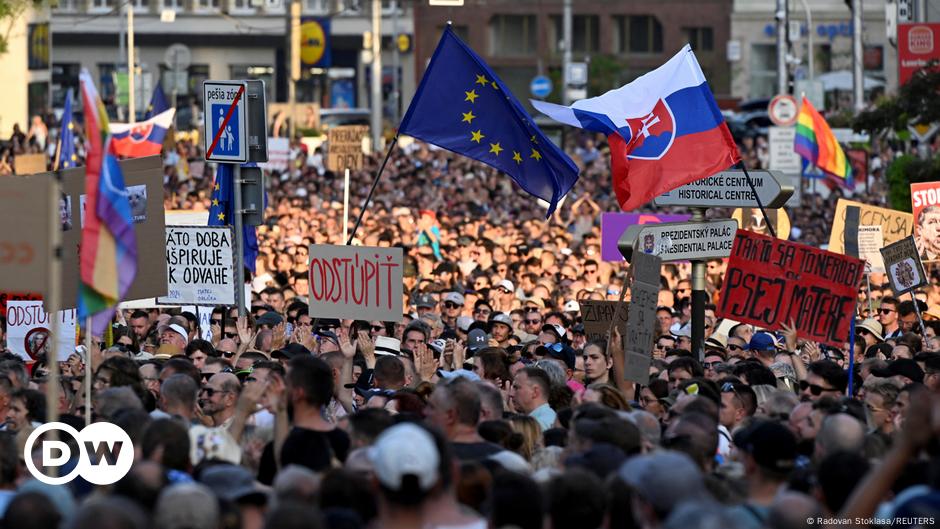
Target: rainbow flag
815,142
108,254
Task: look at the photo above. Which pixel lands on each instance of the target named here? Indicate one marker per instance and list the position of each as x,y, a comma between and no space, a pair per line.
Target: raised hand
345,346
244,330
424,361
280,336
367,348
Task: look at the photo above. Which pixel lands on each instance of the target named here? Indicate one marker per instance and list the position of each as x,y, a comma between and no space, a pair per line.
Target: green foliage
604,73
10,11
915,103
906,170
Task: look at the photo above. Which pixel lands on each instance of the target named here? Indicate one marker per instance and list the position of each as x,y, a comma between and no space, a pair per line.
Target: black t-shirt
309,448
475,451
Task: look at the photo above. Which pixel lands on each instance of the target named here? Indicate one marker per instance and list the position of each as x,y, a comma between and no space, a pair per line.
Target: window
319,7
173,5
763,65
64,78
207,6
701,39
585,34
639,34
513,35
65,6
242,6
100,5
140,6
198,74
463,32
106,73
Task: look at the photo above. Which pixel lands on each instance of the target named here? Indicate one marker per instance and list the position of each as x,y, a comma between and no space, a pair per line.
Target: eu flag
462,106
221,211
66,157
158,104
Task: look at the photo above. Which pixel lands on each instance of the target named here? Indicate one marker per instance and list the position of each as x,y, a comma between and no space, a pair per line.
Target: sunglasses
533,322
212,391
713,365
732,347
230,334
886,311
226,354
449,305
377,328
816,390
482,311
216,321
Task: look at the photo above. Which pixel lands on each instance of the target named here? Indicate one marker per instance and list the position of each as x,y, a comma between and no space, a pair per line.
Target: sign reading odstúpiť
770,282
356,282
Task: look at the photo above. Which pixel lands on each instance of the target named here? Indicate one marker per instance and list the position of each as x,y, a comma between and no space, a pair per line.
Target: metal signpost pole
698,298
239,241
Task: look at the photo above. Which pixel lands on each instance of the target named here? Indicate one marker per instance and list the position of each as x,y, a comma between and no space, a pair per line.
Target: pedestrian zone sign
226,124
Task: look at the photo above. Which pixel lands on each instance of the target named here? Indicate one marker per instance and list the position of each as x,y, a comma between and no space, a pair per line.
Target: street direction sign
226,123
540,86
729,189
680,241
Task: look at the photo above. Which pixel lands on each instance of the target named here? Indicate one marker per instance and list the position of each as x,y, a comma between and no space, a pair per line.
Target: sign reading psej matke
356,282
903,265
199,266
345,147
770,282
895,225
29,330
641,324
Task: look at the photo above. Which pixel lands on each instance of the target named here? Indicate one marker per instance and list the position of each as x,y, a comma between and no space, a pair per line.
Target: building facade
224,39
621,40
25,71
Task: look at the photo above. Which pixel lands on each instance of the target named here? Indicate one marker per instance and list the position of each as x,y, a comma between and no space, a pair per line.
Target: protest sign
356,282
870,242
199,266
345,147
205,322
751,219
597,315
895,225
614,224
29,330
641,323
30,210
149,226
771,282
26,164
278,154
903,265
925,205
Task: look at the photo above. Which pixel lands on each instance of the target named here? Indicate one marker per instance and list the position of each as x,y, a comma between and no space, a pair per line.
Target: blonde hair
531,433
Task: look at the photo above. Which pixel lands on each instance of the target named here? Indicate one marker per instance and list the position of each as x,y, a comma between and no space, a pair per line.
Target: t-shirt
314,449
475,451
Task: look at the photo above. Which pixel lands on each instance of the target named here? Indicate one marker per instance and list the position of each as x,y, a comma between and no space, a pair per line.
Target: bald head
228,345
225,382
839,433
790,510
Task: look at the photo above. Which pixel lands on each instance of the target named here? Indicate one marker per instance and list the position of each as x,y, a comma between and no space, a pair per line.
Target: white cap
464,323
177,329
572,306
507,284
385,345
402,450
454,297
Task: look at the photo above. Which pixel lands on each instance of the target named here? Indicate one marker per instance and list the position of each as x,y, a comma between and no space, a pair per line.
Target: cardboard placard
356,282
597,315
613,224
200,266
902,262
870,242
145,177
925,206
641,323
770,282
27,164
29,330
278,154
895,225
345,147
30,209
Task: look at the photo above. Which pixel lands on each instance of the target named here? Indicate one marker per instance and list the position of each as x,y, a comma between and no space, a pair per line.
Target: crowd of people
486,405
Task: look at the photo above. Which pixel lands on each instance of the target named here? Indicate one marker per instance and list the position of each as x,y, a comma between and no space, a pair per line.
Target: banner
27,164
870,242
925,205
200,266
614,224
278,155
895,225
345,147
31,208
597,315
770,282
29,330
642,322
356,282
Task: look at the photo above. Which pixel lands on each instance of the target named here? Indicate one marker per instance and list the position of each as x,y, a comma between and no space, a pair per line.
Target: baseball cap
187,506
465,373
873,326
572,306
682,331
464,322
771,444
405,450
537,301
425,301
501,317
454,297
762,341
438,345
269,318
367,394
904,367
178,329
234,483
555,329
290,351
664,479
385,345
558,351
506,284
476,340
327,323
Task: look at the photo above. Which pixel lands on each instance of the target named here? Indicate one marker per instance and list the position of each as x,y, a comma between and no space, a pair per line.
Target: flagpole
770,226
88,370
346,204
375,182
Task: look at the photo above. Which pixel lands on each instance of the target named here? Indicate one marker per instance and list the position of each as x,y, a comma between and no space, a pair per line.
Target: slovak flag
664,130
144,138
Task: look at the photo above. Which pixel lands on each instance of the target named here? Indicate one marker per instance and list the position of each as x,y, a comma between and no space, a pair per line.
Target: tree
10,12
914,104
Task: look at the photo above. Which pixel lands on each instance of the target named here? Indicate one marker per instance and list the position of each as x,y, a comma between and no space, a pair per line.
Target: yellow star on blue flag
221,211
454,108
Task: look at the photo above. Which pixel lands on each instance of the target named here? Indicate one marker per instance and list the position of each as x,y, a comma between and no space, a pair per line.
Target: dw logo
105,453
